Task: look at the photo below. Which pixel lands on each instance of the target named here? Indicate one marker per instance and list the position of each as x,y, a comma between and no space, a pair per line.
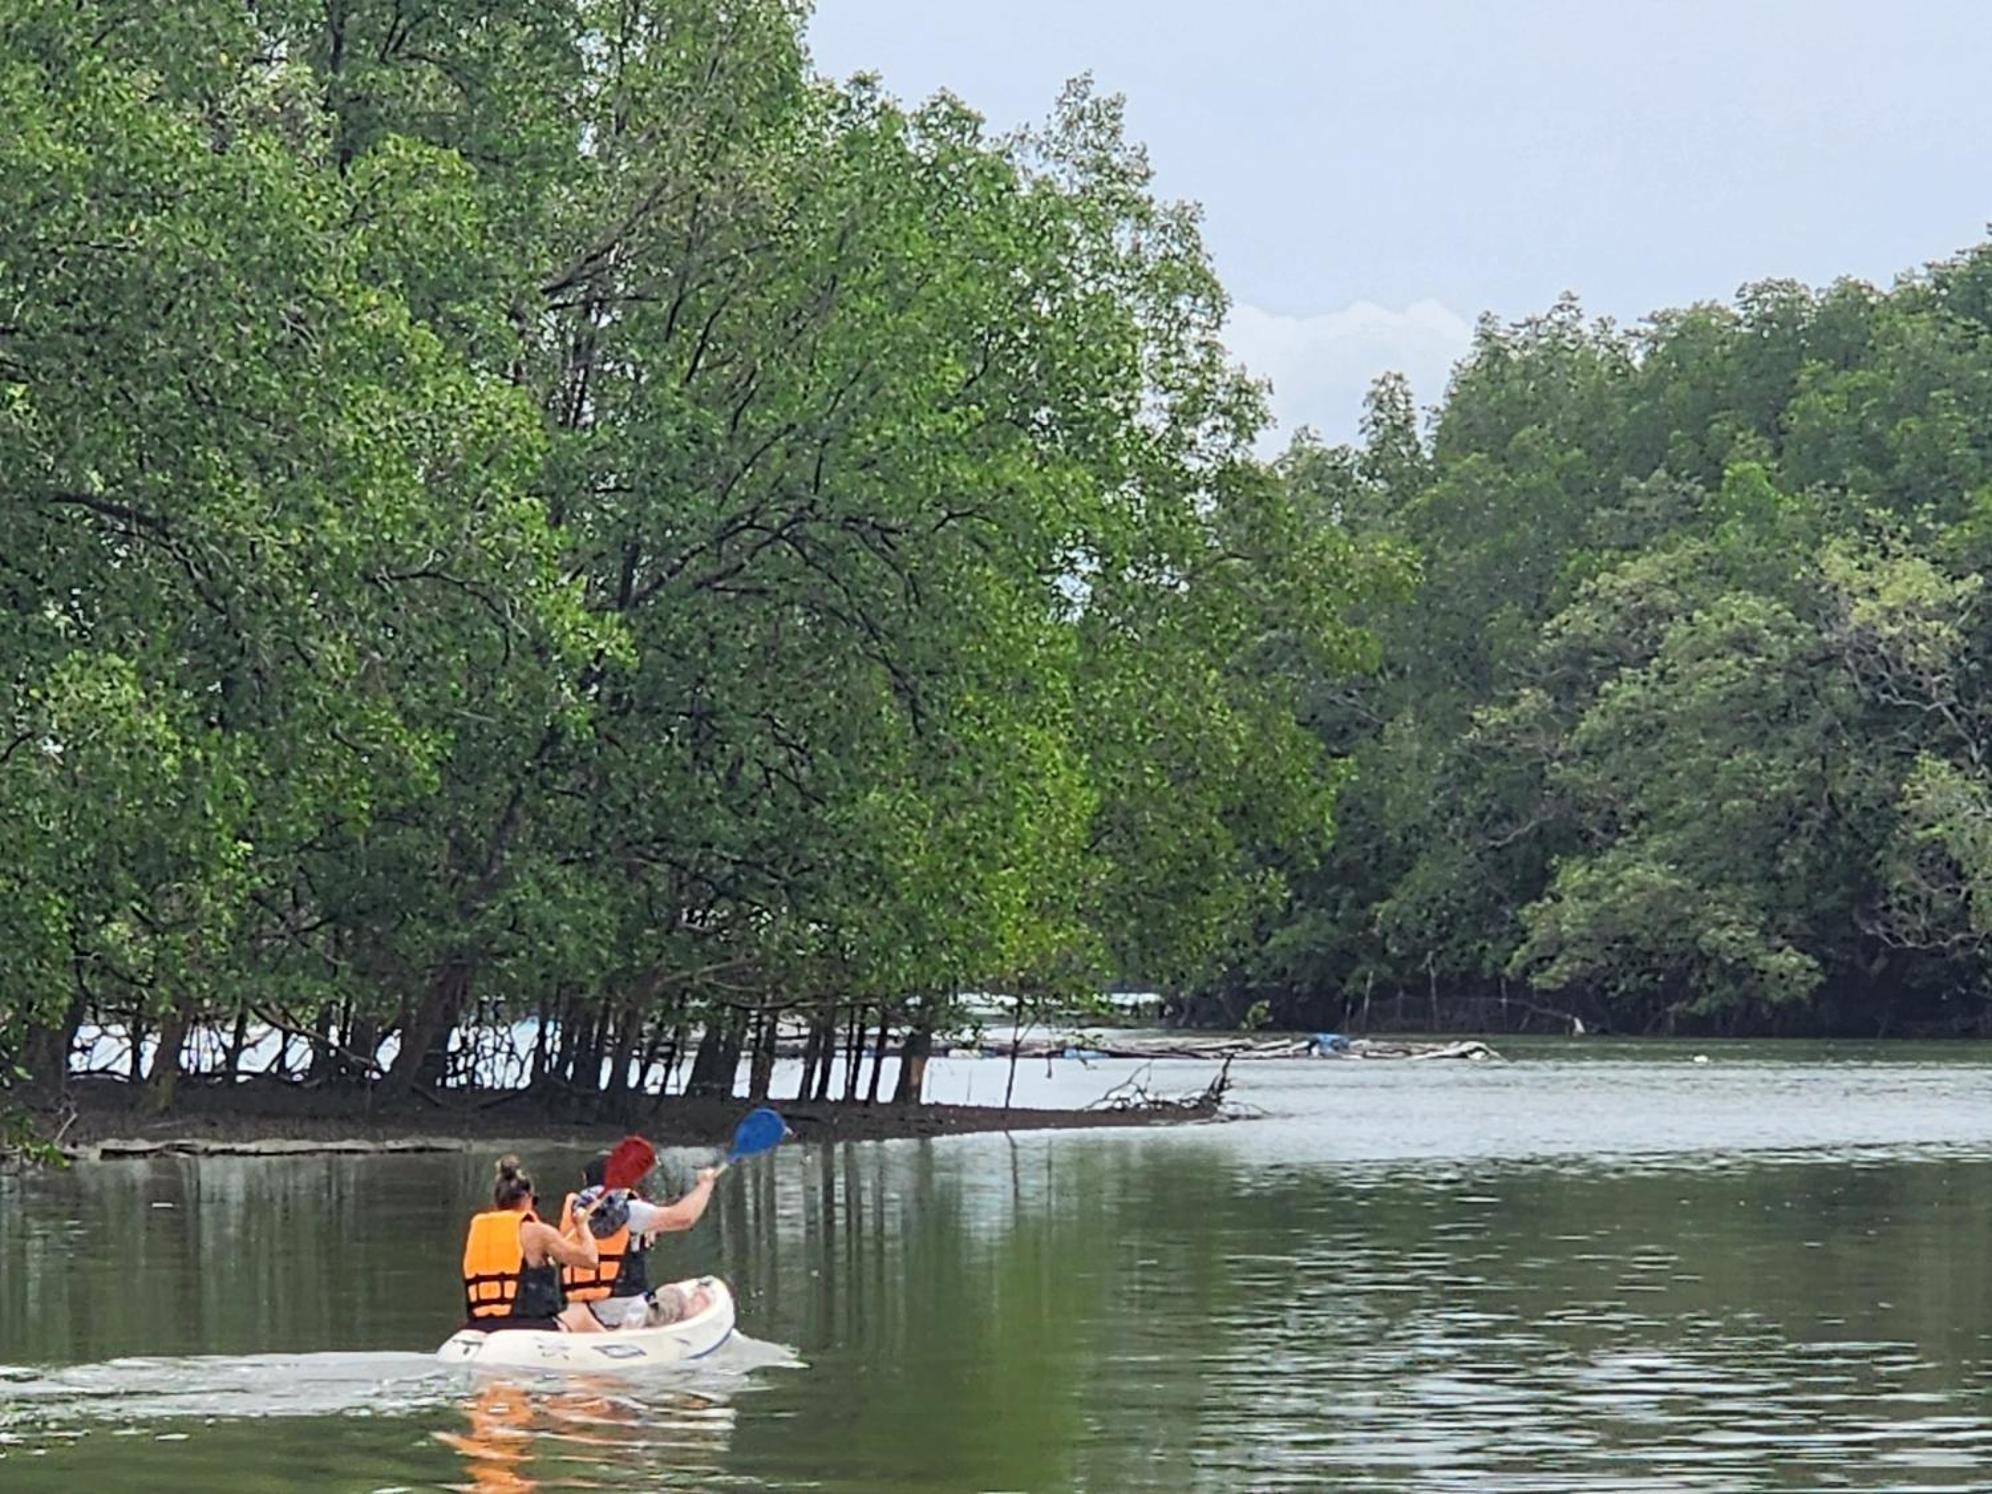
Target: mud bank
107,1120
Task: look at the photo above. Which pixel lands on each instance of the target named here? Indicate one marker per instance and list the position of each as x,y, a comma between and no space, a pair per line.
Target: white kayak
624,1348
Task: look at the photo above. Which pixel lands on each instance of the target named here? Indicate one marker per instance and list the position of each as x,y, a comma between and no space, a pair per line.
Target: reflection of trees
1145,1313
1102,1312
236,1255
971,1305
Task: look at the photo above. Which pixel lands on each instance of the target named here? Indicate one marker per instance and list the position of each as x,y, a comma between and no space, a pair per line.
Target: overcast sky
1374,175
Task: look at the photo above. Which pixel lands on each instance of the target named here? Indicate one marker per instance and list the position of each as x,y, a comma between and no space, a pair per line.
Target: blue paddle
760,1130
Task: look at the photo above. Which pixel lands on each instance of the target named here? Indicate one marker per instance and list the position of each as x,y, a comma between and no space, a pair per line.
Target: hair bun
508,1166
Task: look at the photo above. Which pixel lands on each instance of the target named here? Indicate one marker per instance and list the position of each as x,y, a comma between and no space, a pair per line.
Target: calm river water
1589,1269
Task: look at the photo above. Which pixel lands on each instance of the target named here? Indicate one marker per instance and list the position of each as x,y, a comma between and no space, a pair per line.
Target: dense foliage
554,510
548,507
1686,726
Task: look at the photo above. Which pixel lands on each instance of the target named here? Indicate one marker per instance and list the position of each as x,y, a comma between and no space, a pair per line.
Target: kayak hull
624,1348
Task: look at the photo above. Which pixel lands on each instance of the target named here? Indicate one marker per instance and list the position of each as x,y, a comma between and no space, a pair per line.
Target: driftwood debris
1468,1048
275,1146
1133,1094
1320,1045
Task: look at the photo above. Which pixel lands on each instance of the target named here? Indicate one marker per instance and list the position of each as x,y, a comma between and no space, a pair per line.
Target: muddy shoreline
103,1120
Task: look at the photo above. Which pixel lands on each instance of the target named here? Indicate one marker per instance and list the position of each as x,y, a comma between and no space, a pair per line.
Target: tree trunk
718,1059
813,1053
673,1055
165,1076
362,1039
427,1030
1016,1043
319,1064
45,1053
606,1028
878,1054
829,1058
537,1073
589,1054
913,1064
653,1053
577,1026
586,1075
617,1085
673,1044
854,1053
232,1066
762,1073
569,1023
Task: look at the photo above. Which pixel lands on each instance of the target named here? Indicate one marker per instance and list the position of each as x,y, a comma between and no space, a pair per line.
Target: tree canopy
556,508
1684,726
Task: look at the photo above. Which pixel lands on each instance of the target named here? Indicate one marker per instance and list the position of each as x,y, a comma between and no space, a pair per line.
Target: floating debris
1319,1045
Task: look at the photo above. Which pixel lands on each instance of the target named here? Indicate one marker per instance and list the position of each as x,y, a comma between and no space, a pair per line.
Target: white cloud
1321,366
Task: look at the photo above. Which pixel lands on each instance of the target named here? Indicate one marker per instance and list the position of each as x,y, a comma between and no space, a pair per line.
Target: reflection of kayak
625,1348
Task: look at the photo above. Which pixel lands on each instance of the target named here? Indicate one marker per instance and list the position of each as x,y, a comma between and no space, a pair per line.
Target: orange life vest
619,1268
497,1282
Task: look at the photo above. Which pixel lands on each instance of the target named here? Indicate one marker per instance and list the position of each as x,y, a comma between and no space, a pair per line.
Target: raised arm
671,1217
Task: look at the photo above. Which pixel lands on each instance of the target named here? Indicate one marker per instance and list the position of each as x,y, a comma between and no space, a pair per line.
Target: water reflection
1122,1315
1249,1307
499,1442
595,1435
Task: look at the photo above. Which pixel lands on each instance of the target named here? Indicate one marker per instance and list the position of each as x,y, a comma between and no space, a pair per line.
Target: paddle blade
759,1131
629,1163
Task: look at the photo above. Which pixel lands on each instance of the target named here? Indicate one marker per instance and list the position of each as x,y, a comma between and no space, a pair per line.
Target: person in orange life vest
512,1258
617,1294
